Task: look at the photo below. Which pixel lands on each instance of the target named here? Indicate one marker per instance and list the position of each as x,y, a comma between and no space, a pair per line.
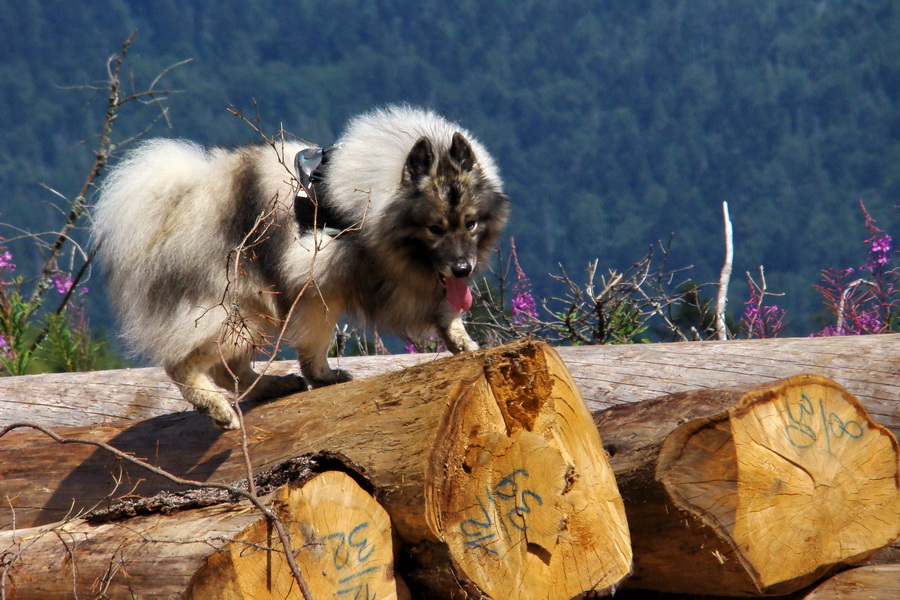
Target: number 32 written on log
352,552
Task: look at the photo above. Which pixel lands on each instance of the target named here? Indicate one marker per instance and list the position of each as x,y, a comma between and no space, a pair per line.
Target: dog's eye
436,230
471,225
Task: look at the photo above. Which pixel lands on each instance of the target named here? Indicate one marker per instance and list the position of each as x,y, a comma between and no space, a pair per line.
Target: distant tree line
615,124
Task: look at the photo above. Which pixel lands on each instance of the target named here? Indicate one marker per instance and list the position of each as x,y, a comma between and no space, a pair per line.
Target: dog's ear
461,152
419,160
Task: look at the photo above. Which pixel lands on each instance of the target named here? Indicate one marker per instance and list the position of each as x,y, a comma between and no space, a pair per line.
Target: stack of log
723,469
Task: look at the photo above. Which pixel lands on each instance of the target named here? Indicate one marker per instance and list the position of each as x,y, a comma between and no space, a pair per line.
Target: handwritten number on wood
506,492
800,431
353,548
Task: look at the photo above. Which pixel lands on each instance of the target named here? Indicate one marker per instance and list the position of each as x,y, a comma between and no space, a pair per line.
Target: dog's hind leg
261,387
191,377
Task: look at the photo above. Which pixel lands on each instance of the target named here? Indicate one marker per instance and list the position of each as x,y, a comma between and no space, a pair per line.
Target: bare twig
724,276
101,156
843,302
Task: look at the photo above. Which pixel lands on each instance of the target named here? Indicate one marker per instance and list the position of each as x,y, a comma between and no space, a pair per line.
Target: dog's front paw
464,343
457,340
455,337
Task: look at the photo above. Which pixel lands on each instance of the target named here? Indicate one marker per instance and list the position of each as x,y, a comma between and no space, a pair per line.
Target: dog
210,253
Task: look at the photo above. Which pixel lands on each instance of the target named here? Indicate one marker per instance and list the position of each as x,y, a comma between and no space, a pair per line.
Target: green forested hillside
614,123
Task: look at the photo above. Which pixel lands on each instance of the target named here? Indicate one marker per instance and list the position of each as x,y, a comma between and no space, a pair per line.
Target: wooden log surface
871,582
869,366
197,547
343,544
489,459
752,490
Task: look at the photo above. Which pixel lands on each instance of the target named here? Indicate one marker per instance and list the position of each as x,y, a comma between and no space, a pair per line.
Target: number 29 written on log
510,501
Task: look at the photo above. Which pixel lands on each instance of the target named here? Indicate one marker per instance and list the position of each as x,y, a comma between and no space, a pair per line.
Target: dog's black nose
461,268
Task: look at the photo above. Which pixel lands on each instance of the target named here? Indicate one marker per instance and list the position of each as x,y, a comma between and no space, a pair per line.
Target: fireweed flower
763,321
6,350
865,303
523,308
827,332
880,251
867,322
63,283
879,243
6,260
429,344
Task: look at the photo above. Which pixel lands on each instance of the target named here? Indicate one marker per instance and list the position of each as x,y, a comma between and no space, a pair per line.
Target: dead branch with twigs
105,148
235,327
77,209
615,307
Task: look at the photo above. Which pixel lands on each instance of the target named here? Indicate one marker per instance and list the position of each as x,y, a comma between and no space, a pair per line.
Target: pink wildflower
6,260
761,321
523,307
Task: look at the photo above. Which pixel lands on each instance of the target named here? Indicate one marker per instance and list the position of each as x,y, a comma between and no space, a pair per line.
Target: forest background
615,124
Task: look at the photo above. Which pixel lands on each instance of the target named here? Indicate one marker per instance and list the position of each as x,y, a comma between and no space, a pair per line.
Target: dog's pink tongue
458,294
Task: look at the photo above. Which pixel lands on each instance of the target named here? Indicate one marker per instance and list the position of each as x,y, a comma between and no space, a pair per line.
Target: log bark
868,365
213,548
490,459
752,490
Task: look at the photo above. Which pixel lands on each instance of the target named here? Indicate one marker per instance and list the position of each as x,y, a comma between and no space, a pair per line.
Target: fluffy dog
209,253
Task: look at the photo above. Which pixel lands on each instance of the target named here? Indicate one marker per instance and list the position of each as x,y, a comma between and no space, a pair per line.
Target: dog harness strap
305,164
309,165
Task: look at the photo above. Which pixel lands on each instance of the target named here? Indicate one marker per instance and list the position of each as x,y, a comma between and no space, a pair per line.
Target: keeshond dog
209,254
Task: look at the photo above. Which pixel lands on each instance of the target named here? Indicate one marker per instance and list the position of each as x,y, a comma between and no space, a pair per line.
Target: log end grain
342,541
795,476
519,486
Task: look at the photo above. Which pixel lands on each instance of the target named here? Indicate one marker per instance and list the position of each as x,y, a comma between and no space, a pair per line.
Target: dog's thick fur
206,257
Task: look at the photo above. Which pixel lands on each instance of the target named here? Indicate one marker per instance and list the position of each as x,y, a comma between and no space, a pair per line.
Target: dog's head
453,213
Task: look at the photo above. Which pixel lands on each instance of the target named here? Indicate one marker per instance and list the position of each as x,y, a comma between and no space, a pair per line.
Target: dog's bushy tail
146,229
138,194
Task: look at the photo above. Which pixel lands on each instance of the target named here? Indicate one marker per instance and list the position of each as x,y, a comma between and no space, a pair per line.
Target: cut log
225,549
607,375
489,459
342,539
752,490
511,490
